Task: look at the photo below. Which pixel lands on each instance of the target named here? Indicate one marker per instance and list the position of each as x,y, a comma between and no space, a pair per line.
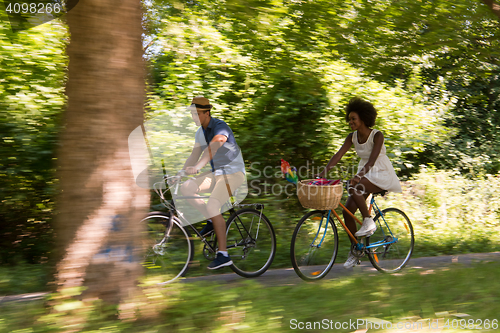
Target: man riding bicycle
214,143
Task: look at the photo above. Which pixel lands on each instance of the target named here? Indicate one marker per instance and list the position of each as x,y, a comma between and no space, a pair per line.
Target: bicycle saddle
381,193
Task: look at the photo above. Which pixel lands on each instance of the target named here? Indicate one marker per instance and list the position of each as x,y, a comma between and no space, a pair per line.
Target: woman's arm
338,156
378,141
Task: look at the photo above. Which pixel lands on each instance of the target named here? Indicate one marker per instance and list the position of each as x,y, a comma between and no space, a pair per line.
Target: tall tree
99,203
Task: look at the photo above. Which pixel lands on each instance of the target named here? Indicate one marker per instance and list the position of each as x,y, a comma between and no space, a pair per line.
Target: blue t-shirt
228,158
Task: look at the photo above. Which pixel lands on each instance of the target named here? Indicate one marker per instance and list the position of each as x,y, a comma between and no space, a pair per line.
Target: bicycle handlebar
177,177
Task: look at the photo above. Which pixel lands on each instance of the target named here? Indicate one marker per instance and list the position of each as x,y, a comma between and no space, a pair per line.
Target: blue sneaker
209,227
220,261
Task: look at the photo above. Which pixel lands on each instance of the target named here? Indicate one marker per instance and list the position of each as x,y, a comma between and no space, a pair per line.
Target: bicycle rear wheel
168,248
393,227
251,242
314,246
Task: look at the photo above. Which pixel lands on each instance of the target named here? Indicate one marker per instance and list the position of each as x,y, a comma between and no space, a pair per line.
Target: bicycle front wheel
391,246
169,250
251,242
314,246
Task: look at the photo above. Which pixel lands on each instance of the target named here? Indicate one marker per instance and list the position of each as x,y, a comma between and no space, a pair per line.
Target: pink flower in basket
323,182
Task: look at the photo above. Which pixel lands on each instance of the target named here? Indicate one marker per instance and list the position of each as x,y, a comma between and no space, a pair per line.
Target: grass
452,293
24,278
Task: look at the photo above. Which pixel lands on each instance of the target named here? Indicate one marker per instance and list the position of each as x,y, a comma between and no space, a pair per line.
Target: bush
450,213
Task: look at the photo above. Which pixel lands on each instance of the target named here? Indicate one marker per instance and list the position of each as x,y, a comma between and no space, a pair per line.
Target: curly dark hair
365,110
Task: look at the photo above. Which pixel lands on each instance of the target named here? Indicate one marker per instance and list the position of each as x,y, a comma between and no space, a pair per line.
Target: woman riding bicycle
375,171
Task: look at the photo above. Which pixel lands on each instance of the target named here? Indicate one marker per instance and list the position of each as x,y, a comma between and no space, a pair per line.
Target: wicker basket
323,197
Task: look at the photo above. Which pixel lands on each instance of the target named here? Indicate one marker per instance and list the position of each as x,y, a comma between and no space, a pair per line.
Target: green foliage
391,38
282,96
24,278
445,54
474,147
31,102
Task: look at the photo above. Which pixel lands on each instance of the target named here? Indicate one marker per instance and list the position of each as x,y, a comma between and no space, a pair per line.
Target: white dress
382,173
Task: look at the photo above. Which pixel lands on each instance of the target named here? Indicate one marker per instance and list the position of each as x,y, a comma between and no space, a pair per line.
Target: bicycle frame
379,211
241,226
171,208
359,246
319,228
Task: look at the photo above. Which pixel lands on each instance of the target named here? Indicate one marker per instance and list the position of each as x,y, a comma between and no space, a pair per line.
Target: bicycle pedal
358,262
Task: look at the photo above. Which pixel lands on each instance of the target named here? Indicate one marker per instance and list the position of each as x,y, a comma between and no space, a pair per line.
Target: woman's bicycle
251,241
315,241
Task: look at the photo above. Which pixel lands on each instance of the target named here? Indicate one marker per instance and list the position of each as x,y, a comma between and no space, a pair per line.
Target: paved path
22,297
287,276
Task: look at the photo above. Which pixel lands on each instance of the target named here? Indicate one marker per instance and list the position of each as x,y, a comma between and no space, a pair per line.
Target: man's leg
195,185
224,186
213,210
222,259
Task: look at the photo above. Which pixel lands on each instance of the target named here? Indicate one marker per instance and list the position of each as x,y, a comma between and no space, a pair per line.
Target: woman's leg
359,194
352,206
357,199
349,220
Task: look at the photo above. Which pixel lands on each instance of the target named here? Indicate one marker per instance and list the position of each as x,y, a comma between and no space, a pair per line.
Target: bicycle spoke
392,241
251,242
168,249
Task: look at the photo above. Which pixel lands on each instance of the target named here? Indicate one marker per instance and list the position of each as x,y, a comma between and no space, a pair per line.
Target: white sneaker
351,261
367,229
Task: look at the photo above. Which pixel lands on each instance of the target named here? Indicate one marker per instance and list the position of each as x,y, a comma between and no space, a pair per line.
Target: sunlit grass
444,294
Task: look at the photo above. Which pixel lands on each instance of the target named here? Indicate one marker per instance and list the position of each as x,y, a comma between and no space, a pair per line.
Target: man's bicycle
251,241
315,240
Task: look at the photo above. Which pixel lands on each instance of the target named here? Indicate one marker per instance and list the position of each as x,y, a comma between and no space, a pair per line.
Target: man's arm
208,154
194,157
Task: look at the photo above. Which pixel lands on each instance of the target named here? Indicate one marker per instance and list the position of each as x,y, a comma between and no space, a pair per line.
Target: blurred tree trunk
495,7
100,205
